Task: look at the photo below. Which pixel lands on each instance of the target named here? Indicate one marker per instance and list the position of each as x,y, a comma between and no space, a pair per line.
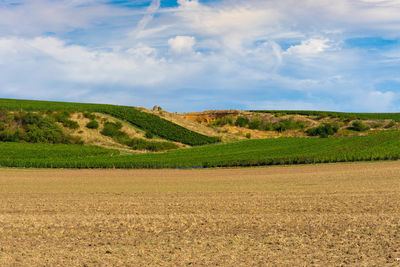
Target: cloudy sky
184,55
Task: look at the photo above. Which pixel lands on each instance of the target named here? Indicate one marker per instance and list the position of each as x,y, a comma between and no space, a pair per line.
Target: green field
345,115
289,150
204,153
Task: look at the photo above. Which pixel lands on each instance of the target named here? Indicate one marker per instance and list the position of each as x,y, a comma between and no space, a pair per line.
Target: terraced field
309,215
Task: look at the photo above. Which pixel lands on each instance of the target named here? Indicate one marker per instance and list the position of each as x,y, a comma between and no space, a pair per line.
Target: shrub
112,130
322,115
255,123
92,124
242,121
34,128
268,126
10,136
323,130
248,135
359,126
288,124
89,115
63,117
390,124
71,124
224,121
377,125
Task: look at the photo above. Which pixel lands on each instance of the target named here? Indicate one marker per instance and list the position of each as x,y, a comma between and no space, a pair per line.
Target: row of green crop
345,115
39,151
381,146
149,122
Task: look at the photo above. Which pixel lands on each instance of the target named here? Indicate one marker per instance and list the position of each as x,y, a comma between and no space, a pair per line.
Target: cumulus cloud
182,44
272,54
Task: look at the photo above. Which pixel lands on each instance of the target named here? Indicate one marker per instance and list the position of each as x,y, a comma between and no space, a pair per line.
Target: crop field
355,115
384,145
320,215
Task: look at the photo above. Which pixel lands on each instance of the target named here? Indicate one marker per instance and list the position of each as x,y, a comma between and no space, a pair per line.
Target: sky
193,55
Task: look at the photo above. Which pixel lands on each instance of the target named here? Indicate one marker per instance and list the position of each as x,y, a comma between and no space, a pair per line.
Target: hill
146,121
74,135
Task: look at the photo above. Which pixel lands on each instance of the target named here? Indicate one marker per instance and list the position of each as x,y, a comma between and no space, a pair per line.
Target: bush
288,124
377,125
63,117
324,130
224,121
112,130
255,123
71,124
248,135
390,124
92,124
359,126
242,121
10,136
268,126
34,128
89,115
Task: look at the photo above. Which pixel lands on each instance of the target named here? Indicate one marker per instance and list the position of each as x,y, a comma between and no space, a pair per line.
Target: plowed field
321,215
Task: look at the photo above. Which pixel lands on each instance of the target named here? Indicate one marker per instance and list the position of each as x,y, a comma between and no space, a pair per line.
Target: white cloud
376,100
30,18
148,17
268,49
182,44
309,47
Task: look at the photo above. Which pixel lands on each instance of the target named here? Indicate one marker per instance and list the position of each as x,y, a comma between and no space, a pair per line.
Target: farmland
380,146
333,214
355,115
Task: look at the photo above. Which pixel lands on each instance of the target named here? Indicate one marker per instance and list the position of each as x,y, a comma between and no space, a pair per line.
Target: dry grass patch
321,215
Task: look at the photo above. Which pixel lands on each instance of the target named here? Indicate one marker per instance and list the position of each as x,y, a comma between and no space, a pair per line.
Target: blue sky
208,54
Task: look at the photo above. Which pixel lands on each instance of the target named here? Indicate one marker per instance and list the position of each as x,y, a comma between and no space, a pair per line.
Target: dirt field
322,215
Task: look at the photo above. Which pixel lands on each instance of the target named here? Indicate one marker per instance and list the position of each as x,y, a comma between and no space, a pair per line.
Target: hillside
234,125
58,134
150,123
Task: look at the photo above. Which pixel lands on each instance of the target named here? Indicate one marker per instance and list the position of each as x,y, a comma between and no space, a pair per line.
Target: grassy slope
380,146
146,121
361,116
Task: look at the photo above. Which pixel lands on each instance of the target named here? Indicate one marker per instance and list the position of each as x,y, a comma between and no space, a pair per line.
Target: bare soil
314,215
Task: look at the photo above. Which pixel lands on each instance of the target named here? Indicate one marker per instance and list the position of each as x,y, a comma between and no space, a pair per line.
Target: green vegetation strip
149,122
289,150
345,115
